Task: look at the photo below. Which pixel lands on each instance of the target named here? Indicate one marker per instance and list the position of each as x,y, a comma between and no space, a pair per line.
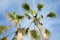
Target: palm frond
14,38
32,12
5,38
35,15
25,6
51,14
39,19
39,6
19,17
47,32
10,15
25,31
27,15
3,28
34,34
14,16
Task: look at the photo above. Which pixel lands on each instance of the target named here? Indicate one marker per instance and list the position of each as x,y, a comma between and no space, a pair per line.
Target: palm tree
2,30
16,18
36,21
20,31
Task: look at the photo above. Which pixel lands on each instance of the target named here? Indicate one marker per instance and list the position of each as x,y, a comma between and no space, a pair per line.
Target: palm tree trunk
37,23
19,34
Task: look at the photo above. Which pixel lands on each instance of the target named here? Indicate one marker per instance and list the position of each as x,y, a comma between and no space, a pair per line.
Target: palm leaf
39,6
5,38
11,16
25,31
27,15
35,15
47,32
14,16
32,12
35,35
25,6
14,38
19,17
39,19
51,14
3,28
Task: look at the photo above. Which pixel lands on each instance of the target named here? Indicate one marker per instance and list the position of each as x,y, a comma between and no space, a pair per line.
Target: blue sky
53,25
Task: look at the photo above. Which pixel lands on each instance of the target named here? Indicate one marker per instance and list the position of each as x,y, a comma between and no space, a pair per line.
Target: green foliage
39,6
3,28
35,15
35,35
39,19
19,17
47,32
11,16
25,6
25,31
27,15
33,12
51,14
14,38
14,16
5,38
